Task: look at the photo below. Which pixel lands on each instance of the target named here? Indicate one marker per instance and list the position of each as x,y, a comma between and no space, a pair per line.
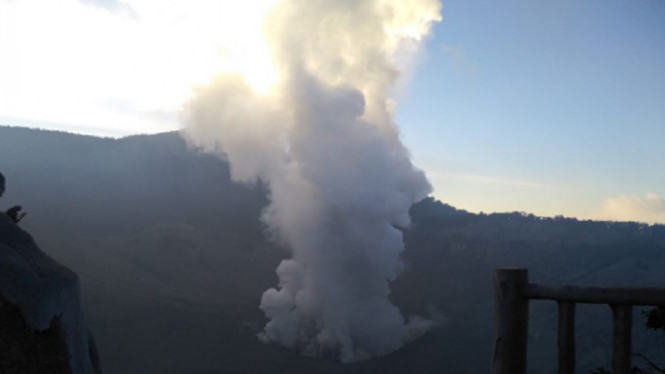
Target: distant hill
173,262
119,185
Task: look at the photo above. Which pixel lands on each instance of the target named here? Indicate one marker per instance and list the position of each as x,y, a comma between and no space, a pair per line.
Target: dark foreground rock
24,350
41,322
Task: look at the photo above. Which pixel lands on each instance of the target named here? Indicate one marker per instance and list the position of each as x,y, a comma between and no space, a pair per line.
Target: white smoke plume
323,140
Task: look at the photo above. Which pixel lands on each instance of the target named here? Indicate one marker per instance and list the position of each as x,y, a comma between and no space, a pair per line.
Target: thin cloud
114,6
484,179
649,209
459,60
128,108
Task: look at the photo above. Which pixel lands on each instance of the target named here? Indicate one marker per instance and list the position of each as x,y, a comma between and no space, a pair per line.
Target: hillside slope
173,261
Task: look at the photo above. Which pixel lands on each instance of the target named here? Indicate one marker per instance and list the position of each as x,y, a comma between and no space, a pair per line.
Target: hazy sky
550,107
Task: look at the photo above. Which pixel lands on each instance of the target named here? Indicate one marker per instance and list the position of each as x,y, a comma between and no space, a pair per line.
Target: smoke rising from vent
324,141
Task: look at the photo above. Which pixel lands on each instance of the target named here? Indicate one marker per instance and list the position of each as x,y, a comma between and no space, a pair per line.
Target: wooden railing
512,292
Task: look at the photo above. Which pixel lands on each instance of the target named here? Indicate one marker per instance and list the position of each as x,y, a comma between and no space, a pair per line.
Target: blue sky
549,107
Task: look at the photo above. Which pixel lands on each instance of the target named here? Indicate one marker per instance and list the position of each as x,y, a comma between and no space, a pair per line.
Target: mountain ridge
173,260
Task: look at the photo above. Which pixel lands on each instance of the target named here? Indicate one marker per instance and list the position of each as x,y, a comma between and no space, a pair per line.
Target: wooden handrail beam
596,295
512,292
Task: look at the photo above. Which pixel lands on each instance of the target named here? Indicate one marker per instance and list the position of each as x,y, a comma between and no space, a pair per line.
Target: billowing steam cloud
324,141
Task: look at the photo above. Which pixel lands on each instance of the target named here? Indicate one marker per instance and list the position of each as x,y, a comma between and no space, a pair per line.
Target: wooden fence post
511,321
622,349
566,338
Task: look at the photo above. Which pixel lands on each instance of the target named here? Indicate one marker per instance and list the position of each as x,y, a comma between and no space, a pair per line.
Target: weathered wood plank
566,337
511,318
622,345
597,295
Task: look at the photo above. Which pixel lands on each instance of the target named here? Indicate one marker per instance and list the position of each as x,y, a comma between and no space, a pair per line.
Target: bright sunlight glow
129,65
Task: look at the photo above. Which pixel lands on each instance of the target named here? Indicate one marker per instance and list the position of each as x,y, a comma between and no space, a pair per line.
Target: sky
547,107
550,107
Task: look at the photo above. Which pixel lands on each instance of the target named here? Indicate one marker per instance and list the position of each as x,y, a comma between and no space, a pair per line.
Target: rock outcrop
41,321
